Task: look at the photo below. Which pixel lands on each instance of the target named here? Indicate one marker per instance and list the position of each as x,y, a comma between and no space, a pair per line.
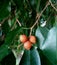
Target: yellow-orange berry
23,38
27,45
32,39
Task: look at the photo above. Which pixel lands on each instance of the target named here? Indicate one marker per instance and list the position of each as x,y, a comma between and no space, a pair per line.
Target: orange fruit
27,45
32,39
23,38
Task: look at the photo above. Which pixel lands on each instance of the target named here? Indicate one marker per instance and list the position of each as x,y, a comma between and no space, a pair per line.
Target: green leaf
9,38
44,31
4,9
44,59
11,35
56,20
8,60
30,57
4,51
38,5
5,27
18,3
0,63
49,47
41,34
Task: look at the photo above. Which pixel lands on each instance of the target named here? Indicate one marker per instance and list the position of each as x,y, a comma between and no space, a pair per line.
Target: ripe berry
23,38
27,45
32,39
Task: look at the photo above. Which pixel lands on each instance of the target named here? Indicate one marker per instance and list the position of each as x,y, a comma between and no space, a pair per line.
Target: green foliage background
17,17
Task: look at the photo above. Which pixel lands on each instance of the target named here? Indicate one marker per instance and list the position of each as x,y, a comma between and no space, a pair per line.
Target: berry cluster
27,41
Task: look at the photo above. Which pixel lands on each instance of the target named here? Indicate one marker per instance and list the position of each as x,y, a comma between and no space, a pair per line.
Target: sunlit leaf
49,47
41,34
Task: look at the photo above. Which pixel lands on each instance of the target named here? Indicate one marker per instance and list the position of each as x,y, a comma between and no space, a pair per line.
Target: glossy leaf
44,59
41,34
49,47
30,57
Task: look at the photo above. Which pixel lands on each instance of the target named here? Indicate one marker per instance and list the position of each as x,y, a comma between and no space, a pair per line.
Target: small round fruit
32,39
27,45
23,38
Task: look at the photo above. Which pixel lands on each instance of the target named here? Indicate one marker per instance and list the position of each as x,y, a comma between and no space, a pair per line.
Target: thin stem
4,20
18,22
49,17
12,46
13,26
53,6
30,32
26,28
40,15
19,46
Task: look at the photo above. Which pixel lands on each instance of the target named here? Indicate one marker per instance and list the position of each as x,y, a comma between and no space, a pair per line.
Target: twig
0,24
53,6
30,32
38,17
4,20
26,28
11,47
44,8
13,26
19,25
19,46
18,22
49,17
